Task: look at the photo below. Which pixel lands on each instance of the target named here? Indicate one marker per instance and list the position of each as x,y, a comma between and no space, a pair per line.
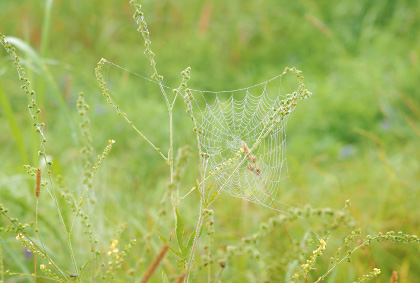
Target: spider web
231,124
245,150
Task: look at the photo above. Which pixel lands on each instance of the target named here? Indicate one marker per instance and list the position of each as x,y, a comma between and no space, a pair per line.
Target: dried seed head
244,148
38,183
252,158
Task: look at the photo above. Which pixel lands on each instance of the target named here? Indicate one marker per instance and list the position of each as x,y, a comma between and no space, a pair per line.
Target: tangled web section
245,154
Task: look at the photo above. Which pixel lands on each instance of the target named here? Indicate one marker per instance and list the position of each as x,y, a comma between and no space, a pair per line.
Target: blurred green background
357,137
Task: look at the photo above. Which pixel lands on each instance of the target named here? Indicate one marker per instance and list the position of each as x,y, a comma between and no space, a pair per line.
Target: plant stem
171,145
36,236
197,234
152,266
54,197
105,92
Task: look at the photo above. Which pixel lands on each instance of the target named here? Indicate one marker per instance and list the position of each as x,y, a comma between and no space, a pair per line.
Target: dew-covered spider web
242,136
244,157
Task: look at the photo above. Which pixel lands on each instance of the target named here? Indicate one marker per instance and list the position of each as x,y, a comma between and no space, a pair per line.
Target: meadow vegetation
85,197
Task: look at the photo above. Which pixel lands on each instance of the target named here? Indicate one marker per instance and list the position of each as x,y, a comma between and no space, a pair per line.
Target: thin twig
181,277
152,266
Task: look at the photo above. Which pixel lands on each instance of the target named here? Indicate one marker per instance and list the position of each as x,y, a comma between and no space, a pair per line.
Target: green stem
34,276
171,144
60,215
105,92
197,234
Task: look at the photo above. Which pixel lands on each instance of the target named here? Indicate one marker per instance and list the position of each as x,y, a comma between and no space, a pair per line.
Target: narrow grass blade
44,48
16,132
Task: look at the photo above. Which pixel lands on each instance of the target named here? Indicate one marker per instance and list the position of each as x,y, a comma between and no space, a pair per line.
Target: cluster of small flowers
287,105
105,90
48,272
188,97
33,106
16,227
400,237
139,18
368,277
76,207
346,245
310,263
180,162
31,248
117,257
87,148
102,157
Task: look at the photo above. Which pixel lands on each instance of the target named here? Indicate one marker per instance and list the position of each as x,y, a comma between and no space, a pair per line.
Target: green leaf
164,240
181,264
184,251
177,253
164,277
197,188
14,126
213,197
190,243
83,268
